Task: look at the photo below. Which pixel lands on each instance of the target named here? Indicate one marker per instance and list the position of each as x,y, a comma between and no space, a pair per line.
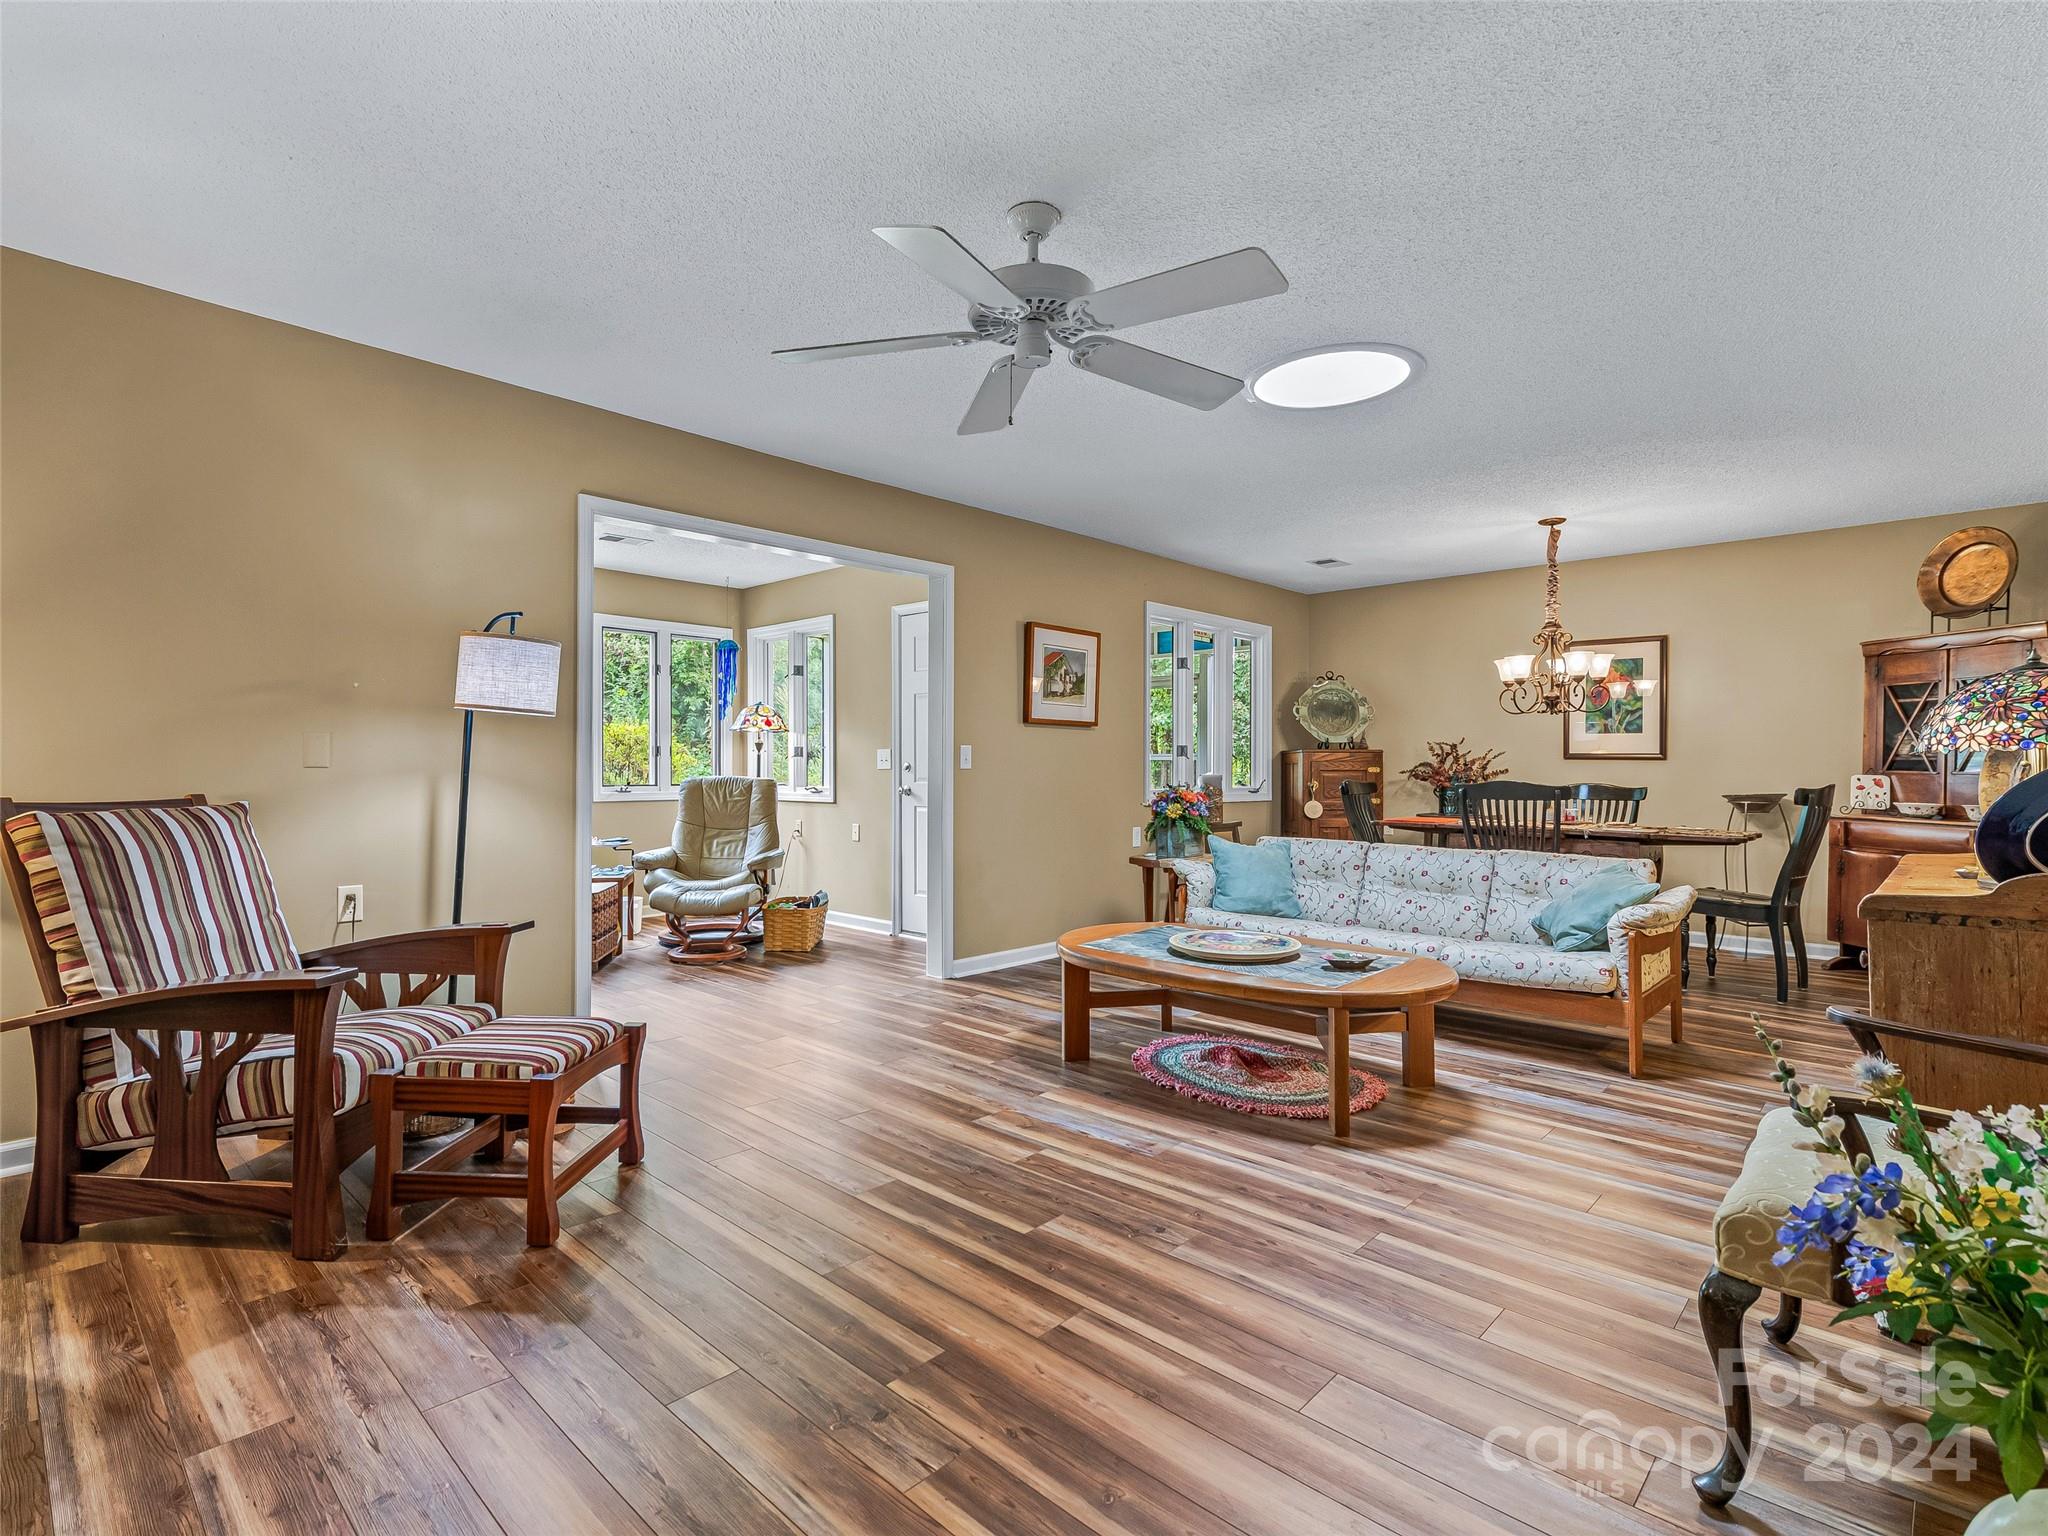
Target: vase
2007,1516
1450,800
1170,842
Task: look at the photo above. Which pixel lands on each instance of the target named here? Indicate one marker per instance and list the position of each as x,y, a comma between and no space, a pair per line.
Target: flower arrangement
1953,1239
1178,814
1449,763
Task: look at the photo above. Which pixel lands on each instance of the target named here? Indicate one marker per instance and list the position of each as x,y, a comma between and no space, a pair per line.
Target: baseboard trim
857,921
16,1156
1759,942
1003,959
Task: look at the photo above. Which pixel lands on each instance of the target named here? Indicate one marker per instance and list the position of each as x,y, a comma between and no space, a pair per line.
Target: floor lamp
508,674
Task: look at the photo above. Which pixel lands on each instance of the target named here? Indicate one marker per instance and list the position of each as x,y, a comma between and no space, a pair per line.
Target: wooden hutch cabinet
1903,679
1316,775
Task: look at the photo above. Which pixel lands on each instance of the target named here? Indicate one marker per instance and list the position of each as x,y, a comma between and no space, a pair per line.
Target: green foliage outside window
628,703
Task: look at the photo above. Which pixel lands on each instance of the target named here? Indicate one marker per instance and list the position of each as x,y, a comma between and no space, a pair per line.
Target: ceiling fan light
1331,376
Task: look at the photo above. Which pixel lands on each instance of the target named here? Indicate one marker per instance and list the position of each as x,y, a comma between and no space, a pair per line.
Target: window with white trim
790,666
1208,701
657,706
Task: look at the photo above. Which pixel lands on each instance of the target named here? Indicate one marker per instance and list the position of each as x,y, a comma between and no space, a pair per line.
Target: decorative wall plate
1234,946
1333,712
1967,572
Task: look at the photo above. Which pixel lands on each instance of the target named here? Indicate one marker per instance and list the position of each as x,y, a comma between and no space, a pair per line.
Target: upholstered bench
513,1073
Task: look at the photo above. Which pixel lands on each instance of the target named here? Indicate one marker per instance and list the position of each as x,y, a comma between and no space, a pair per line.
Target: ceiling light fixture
1561,677
1327,376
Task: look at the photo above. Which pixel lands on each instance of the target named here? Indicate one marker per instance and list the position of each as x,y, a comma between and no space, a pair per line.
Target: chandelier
1558,679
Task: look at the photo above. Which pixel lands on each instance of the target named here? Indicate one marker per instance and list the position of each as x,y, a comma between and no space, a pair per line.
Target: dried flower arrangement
1449,763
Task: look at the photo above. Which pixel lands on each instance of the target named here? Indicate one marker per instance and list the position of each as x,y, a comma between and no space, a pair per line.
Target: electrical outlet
856,831
881,757
348,903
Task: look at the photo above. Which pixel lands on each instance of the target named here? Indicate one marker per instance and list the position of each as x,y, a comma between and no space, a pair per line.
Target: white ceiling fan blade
1211,284
1155,372
951,263
996,401
868,348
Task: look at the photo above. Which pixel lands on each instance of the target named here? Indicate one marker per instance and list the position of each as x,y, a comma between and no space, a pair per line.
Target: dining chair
1777,910
1357,797
1511,814
1609,802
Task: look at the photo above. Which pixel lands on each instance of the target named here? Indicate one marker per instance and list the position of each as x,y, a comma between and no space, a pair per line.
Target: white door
913,771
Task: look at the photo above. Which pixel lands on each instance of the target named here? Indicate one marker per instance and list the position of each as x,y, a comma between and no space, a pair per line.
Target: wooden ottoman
513,1073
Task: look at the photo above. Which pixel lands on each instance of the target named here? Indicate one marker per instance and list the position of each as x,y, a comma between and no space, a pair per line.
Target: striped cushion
259,1090
517,1049
149,896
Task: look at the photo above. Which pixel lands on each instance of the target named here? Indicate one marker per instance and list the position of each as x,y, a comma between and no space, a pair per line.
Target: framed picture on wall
1062,675
1631,724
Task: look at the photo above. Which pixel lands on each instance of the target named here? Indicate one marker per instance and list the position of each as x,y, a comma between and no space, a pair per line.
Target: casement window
1208,701
657,706
790,666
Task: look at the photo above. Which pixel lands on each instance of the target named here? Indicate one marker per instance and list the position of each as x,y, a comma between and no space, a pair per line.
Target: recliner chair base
705,940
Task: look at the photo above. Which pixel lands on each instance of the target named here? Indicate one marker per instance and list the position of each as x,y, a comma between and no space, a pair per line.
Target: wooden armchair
179,1012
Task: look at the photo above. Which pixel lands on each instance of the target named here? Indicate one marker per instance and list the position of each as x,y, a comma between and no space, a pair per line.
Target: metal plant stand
1749,808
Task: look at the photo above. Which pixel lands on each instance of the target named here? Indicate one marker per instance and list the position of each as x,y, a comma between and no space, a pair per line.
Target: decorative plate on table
1333,712
1234,946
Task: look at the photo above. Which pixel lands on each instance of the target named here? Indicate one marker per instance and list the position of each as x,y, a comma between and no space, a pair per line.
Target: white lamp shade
1514,669
507,674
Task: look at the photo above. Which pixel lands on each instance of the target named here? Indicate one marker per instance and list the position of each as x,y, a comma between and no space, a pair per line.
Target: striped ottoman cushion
259,1093
516,1049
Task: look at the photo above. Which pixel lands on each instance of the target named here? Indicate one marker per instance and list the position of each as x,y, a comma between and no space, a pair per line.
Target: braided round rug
1252,1077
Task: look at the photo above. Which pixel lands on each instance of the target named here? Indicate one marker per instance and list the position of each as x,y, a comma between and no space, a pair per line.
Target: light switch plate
319,750
966,756
881,757
856,831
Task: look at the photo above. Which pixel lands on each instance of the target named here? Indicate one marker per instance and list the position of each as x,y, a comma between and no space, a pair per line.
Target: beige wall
222,533
826,856
1765,684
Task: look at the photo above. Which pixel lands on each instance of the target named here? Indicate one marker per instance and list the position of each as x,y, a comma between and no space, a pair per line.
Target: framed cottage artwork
1631,723
1062,675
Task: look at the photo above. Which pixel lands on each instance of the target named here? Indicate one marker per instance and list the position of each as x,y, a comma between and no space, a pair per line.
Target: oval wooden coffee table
1402,998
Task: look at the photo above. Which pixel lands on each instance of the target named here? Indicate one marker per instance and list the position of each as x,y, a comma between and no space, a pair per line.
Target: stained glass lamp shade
2005,713
761,719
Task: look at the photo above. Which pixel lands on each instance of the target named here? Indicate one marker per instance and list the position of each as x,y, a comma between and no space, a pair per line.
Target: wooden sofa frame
1656,955
183,1171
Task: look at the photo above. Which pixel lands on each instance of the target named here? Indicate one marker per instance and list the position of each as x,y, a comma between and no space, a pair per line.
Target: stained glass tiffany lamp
2004,716
760,720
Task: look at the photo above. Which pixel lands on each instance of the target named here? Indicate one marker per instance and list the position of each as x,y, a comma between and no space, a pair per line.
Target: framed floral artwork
1630,724
1062,675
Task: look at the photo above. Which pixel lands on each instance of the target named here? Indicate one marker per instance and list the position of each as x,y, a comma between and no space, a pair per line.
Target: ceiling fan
1034,305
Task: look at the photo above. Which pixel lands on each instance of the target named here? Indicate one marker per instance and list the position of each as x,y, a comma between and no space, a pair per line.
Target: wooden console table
1947,955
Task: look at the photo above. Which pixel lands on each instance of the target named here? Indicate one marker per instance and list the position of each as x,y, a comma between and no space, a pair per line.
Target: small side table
1148,864
611,913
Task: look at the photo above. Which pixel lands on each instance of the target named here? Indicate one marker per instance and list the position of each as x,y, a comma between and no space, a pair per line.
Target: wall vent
1329,560
623,538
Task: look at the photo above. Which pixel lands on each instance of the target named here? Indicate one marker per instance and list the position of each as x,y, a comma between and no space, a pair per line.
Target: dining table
1606,839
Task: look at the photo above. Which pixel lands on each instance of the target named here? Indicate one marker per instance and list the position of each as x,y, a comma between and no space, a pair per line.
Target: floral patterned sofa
1473,911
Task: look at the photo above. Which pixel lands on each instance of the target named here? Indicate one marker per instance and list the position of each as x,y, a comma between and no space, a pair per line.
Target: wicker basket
791,929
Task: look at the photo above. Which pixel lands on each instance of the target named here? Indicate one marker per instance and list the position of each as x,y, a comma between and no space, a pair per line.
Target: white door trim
896,615
939,602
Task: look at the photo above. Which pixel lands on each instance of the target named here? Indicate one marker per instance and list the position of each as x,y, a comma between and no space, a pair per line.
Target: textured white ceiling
676,555
1684,272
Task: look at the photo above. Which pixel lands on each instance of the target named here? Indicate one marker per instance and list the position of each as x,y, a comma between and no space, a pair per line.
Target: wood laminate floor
891,1267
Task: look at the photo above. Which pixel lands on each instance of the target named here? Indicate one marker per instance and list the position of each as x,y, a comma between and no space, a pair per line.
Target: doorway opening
716,654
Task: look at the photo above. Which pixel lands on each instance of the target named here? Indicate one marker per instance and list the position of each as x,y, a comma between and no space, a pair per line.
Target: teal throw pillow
1258,879
1578,919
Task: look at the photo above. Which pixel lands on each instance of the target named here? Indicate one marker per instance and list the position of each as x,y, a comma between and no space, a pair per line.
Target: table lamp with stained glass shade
760,720
2004,716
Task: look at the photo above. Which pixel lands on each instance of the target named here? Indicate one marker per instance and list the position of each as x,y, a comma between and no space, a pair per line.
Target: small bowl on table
1922,810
